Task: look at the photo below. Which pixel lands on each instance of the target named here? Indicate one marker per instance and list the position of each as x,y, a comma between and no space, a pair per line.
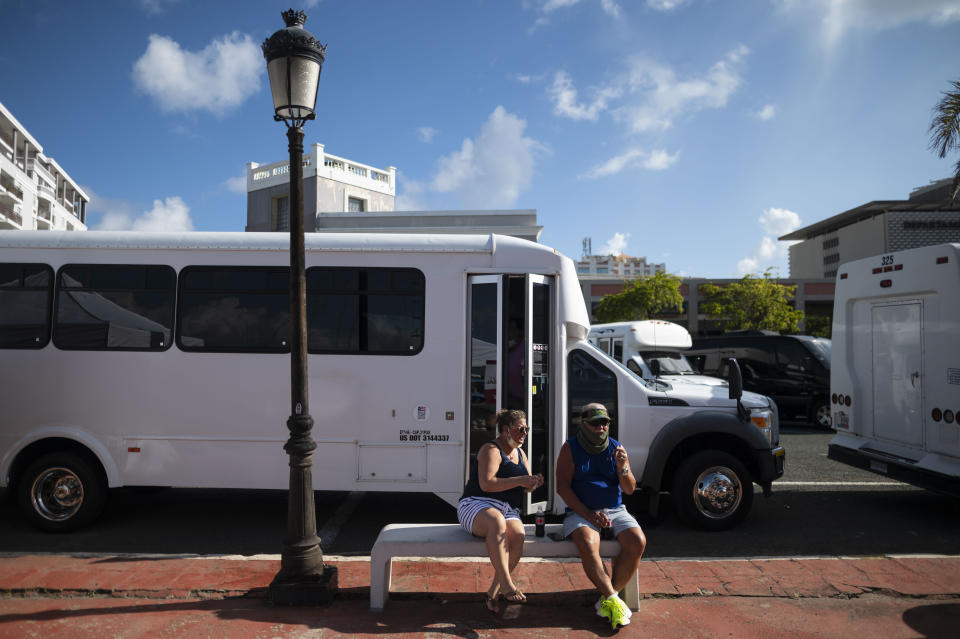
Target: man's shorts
619,517
469,507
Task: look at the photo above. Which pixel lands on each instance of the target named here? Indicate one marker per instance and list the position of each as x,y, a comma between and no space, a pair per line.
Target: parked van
163,359
793,370
651,349
895,381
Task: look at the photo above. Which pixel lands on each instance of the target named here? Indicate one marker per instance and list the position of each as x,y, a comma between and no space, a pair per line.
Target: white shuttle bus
162,359
653,349
895,375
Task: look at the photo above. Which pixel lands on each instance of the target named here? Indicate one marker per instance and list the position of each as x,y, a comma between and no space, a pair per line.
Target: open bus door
511,332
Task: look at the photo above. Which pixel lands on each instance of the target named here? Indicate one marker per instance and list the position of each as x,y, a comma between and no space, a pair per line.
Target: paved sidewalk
137,596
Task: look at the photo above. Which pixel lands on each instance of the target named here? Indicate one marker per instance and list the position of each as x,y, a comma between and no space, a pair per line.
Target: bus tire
712,490
61,492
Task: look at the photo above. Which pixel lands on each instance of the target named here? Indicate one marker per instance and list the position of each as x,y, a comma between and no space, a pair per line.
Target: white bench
450,540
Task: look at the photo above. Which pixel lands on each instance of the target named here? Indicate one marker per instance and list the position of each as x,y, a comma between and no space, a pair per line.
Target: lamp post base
304,590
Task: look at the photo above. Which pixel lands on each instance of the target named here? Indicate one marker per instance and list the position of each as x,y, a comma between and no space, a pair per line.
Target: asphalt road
819,508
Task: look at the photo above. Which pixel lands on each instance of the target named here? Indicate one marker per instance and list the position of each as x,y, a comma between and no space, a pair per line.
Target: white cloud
615,245
491,171
664,5
564,97
768,112
218,78
171,214
611,8
657,160
768,251
426,134
837,17
553,5
236,184
663,96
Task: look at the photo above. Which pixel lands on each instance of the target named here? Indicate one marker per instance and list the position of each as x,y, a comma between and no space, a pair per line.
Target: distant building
622,266
35,192
330,184
882,226
343,196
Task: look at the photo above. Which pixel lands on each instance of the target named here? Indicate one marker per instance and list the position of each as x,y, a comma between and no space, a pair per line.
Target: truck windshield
599,354
671,363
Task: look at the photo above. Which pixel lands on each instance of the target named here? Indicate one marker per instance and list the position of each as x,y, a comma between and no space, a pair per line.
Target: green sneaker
611,611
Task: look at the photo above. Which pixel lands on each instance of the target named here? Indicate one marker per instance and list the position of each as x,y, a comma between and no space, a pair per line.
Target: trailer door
511,337
897,373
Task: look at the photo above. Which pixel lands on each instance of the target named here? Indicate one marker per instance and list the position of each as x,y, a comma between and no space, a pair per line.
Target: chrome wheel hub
57,494
717,492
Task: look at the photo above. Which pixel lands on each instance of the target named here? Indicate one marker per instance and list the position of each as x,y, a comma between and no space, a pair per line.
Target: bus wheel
61,491
712,490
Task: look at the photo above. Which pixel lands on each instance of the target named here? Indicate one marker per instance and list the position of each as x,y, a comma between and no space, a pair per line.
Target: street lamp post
294,59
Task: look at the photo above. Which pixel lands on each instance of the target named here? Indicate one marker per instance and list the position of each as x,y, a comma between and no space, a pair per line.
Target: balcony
46,191
10,189
10,217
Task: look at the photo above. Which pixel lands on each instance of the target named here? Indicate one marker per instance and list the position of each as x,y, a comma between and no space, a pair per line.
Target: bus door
897,374
511,341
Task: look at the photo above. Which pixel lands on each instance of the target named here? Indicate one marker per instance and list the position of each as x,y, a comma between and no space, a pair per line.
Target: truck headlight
763,419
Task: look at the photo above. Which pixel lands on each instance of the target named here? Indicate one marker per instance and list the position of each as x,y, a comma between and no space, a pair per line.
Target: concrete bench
450,540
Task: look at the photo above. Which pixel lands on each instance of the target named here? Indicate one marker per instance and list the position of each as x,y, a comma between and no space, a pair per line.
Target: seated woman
491,501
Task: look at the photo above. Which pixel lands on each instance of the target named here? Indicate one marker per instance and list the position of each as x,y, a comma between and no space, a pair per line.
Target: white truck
162,359
895,378
652,349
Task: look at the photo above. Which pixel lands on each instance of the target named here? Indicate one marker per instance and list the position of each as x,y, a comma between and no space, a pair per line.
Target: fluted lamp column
294,59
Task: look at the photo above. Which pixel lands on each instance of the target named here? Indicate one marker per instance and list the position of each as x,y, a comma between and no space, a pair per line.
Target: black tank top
507,469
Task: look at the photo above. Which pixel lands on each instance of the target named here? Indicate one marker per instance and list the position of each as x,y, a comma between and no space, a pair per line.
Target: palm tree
945,129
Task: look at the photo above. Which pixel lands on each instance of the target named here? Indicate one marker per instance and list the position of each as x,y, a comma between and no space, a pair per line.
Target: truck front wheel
712,490
61,491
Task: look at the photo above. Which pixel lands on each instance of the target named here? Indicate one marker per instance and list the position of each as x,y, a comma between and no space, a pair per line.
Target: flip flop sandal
515,596
492,604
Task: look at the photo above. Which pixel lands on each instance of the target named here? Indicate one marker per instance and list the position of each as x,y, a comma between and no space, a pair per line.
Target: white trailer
652,349
895,376
132,359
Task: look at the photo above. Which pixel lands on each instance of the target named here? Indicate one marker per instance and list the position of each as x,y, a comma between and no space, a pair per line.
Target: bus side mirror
735,379
654,365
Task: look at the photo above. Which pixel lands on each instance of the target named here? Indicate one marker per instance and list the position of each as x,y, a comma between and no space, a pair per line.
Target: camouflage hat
593,414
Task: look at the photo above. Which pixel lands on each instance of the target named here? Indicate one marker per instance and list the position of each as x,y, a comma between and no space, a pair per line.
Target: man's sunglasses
600,422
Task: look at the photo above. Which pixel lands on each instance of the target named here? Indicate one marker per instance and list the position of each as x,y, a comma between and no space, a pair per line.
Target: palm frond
945,125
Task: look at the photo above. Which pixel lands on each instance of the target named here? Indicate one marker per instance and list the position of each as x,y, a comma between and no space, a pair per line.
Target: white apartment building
330,184
928,217
618,266
35,192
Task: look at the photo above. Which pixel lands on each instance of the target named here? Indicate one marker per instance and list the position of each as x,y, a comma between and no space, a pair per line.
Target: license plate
843,421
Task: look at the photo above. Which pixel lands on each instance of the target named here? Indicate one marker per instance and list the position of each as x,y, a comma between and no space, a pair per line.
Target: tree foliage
641,299
945,129
758,303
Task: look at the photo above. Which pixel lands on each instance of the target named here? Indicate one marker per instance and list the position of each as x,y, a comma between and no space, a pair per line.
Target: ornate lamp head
294,60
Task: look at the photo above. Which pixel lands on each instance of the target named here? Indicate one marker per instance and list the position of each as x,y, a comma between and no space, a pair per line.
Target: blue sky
691,132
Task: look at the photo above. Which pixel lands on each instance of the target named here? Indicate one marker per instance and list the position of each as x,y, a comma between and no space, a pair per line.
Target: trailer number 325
886,260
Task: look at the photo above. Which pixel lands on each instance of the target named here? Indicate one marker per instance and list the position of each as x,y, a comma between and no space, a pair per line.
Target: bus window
114,307
589,381
375,311
26,293
234,309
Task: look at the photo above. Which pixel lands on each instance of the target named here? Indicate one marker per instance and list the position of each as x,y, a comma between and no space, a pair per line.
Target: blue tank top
595,479
507,469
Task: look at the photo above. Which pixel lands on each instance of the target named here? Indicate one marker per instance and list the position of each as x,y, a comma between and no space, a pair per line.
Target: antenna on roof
587,247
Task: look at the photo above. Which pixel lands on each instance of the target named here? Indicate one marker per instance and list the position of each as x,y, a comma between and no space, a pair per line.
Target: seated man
592,473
